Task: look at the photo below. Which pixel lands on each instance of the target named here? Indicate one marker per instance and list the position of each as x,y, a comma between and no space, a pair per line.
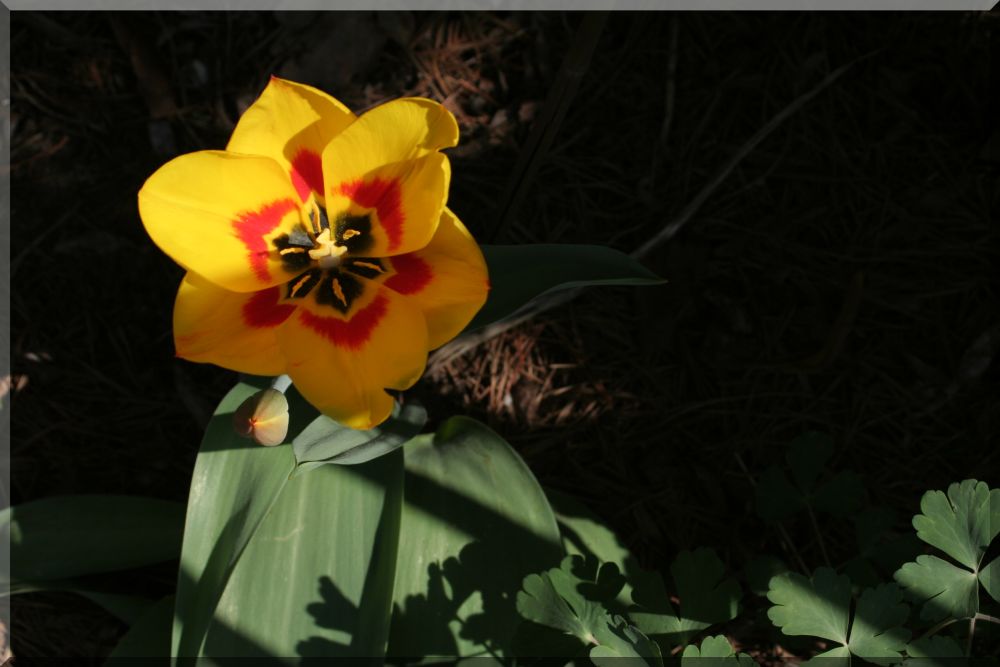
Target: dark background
836,281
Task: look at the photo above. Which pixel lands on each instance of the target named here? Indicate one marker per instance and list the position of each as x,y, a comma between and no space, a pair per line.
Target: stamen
302,281
339,291
290,250
349,234
368,265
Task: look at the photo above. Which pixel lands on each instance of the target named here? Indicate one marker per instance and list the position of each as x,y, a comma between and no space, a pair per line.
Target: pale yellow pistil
326,251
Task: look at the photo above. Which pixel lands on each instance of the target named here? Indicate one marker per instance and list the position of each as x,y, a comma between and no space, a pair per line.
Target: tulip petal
386,165
291,123
235,330
448,279
217,214
342,363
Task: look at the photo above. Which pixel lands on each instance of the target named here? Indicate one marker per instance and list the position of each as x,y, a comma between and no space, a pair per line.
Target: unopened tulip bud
263,417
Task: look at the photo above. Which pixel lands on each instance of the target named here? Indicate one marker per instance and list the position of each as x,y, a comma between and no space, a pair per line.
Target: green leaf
818,607
876,634
70,536
837,657
882,548
945,589
126,607
706,598
807,457
935,651
279,567
519,273
552,599
961,524
475,523
775,497
325,441
618,639
716,652
316,579
234,485
989,577
149,636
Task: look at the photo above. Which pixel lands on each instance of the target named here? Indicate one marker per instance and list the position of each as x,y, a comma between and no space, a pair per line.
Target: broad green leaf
876,634
989,577
961,524
706,597
715,652
234,485
943,588
149,636
618,639
475,523
882,548
70,536
325,441
818,607
125,606
519,273
601,582
552,599
935,651
315,581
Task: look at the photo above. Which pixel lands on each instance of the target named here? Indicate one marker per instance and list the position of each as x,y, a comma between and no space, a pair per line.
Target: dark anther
303,284
294,249
366,267
338,289
354,232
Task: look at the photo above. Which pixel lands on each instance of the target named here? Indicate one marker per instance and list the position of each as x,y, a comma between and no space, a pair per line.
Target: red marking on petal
383,196
352,333
307,173
263,311
251,227
412,274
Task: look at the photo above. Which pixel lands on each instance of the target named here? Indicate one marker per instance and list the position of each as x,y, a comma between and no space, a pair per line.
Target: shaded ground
837,279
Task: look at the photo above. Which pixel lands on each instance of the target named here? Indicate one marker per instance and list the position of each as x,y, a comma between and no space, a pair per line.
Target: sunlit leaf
325,441
475,522
552,598
961,524
279,567
519,273
70,536
945,589
819,607
706,597
618,639
714,652
876,634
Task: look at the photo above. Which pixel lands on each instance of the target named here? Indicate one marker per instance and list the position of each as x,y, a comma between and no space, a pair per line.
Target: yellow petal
292,123
386,163
235,330
447,279
215,213
342,364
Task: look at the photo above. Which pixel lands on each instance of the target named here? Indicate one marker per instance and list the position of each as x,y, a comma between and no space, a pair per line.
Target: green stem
938,628
988,618
781,529
972,632
819,535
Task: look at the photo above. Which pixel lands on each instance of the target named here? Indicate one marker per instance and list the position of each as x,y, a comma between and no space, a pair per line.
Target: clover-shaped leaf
715,652
778,497
821,607
619,639
882,549
989,577
706,598
553,599
962,524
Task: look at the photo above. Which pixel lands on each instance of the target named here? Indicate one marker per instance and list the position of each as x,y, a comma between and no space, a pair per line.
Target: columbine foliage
961,524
